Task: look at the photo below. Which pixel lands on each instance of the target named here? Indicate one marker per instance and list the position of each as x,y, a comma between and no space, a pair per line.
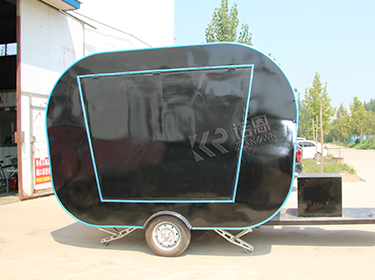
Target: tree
371,122
332,134
304,120
370,106
223,26
314,96
360,121
341,123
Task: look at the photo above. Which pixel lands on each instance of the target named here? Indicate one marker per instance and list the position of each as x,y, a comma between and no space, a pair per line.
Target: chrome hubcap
166,235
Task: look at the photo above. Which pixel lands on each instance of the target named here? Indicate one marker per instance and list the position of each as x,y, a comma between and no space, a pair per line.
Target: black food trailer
176,139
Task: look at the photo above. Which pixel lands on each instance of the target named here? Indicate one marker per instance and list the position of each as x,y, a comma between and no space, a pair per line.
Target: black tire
167,236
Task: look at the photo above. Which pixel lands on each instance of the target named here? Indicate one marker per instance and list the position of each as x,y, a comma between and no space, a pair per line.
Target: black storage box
319,195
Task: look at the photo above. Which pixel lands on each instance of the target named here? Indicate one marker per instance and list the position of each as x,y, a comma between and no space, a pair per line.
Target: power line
106,25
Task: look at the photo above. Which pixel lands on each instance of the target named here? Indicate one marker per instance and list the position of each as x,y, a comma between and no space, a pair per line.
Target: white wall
152,21
48,39
50,42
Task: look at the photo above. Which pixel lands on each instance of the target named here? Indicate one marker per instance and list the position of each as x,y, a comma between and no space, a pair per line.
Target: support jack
235,239
115,234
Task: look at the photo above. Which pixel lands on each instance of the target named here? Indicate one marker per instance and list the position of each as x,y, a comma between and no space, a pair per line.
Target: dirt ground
351,178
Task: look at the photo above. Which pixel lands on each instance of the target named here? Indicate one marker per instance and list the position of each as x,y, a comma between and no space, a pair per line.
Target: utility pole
321,138
317,134
313,124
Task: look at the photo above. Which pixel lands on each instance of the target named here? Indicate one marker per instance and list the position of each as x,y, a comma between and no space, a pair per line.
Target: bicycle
11,180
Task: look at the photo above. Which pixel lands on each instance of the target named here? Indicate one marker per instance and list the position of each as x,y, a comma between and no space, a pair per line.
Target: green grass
368,144
311,166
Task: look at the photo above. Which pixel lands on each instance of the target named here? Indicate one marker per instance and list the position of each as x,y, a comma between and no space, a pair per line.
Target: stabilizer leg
235,239
116,234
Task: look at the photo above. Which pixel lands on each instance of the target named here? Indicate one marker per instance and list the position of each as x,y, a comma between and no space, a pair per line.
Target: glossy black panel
145,127
319,195
144,137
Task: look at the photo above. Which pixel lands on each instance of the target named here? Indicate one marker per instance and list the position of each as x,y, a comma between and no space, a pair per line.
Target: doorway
8,100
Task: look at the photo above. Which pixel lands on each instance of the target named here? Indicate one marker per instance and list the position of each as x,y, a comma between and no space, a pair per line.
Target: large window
8,49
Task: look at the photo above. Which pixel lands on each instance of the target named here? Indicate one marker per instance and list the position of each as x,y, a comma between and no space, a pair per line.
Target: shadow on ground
210,243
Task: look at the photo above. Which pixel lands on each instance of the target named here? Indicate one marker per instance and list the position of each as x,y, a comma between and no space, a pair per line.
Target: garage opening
8,100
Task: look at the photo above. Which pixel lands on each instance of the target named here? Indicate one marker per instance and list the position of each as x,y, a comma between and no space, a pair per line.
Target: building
38,41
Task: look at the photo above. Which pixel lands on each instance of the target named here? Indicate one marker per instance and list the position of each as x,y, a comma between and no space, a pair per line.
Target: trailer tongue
289,217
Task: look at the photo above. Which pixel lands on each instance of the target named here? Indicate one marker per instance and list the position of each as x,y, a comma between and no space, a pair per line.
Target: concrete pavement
363,161
10,197
39,240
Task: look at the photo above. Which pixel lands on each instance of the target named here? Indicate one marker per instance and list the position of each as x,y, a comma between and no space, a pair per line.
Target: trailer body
205,131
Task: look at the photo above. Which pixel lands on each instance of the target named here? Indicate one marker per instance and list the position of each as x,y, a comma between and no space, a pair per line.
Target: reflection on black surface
140,127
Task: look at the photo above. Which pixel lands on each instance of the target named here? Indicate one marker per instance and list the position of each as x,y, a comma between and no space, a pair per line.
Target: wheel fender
168,213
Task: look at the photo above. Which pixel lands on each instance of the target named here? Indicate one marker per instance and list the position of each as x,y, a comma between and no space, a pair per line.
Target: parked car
312,149
299,166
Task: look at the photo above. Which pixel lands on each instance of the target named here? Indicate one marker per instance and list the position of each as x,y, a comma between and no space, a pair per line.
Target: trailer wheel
167,236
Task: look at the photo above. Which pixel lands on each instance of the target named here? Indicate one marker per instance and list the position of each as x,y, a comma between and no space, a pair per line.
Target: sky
334,38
